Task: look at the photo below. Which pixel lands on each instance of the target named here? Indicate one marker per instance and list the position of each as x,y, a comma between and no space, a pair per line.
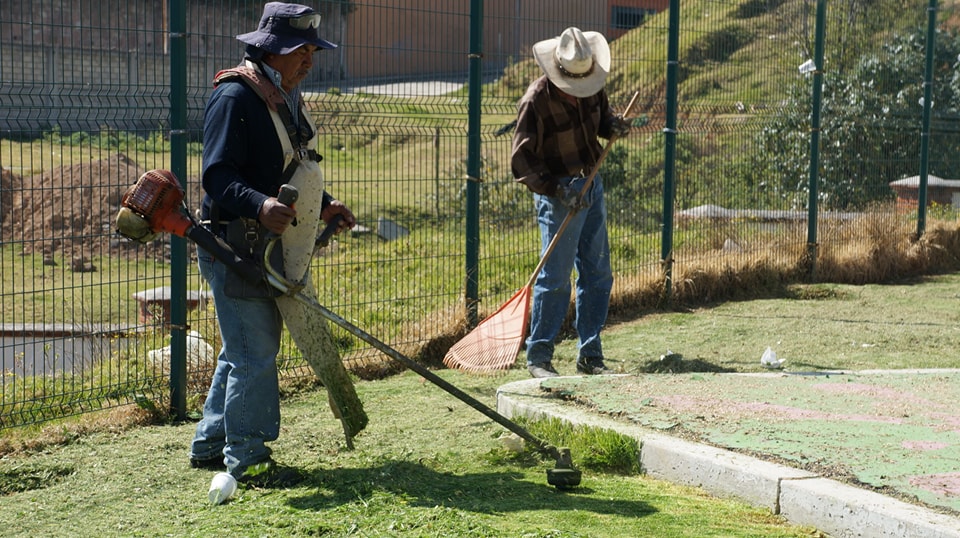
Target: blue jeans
585,246
242,409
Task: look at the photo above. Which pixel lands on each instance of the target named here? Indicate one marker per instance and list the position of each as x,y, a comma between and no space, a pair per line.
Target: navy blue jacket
242,155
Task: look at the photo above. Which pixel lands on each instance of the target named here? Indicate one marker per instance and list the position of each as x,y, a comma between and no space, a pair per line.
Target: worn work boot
270,474
544,369
592,366
213,464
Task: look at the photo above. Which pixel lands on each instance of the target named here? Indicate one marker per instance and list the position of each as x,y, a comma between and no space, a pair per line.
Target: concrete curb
803,498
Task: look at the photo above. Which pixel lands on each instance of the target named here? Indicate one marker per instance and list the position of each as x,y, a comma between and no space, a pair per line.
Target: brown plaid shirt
555,139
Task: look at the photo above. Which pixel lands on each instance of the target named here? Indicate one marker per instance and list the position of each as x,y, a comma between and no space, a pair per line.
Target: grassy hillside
746,51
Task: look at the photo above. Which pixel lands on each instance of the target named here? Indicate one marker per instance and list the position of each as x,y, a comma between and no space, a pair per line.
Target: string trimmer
155,204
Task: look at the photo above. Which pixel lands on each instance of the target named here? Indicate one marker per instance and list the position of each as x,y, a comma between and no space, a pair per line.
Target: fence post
473,162
436,170
54,102
178,165
925,127
814,181
670,147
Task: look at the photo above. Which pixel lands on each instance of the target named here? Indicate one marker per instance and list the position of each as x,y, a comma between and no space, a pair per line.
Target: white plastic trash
222,487
769,359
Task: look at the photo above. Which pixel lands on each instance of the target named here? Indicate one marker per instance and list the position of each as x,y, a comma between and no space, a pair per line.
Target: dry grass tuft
637,294
436,335
371,364
877,246
874,247
116,420
890,252
941,247
732,278
424,341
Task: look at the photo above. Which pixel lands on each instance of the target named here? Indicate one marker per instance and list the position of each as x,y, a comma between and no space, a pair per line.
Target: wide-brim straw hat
286,27
576,62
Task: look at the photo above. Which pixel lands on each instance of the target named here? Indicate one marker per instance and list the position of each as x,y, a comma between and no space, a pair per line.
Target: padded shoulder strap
280,112
256,80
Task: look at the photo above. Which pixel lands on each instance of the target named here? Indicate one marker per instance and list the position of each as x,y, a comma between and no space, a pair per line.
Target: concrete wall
85,64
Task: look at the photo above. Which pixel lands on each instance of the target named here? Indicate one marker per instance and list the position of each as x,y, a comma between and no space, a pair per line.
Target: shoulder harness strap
267,91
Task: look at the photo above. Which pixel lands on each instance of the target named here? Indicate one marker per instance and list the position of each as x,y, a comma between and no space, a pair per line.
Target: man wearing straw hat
555,149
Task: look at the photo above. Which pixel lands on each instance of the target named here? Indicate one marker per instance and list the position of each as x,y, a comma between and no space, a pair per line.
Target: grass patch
596,449
816,292
906,324
52,293
427,463
29,477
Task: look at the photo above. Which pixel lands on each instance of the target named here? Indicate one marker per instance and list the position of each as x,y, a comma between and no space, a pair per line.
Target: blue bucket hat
284,28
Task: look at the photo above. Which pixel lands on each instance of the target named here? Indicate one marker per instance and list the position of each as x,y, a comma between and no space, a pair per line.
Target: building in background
942,192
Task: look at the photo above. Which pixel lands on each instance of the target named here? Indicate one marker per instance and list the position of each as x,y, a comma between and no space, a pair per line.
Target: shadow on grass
488,493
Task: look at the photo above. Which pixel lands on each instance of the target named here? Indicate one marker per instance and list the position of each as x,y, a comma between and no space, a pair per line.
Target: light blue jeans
242,410
585,246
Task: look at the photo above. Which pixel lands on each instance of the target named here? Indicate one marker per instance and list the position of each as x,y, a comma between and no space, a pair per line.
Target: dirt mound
9,182
68,210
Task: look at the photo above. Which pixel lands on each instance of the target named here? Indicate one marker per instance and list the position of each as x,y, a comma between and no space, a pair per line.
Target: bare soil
70,210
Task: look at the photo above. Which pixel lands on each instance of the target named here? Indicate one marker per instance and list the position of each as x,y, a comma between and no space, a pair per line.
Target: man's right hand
620,126
276,216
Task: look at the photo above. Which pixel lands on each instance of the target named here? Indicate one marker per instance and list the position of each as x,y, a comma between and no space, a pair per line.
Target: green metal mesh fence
86,91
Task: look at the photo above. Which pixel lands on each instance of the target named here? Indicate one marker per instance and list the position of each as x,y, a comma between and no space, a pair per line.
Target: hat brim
544,53
281,44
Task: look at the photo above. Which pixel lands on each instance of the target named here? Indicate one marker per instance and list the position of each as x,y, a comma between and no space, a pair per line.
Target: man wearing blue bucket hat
257,136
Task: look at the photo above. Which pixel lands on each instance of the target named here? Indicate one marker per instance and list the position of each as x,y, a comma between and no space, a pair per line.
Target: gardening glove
620,126
569,197
569,193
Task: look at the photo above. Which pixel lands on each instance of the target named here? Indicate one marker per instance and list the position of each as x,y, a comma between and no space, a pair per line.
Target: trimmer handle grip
288,195
324,238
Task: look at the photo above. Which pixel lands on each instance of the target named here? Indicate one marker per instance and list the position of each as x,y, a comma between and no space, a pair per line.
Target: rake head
494,343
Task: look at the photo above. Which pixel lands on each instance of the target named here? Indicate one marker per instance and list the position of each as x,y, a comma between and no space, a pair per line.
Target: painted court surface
895,432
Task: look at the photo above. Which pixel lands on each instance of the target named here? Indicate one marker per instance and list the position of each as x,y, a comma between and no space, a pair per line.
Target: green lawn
427,465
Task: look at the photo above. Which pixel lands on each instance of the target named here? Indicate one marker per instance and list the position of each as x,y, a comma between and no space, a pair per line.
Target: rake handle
583,191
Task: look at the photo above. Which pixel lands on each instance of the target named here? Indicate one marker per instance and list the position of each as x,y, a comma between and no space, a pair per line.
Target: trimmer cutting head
563,478
564,475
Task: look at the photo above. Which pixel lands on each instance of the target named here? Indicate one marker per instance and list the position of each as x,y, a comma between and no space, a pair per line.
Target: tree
870,125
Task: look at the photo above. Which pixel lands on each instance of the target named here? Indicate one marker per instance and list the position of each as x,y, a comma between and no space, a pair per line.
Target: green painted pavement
897,432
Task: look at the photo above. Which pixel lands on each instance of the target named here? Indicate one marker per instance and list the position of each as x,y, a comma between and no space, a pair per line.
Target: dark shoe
592,366
544,369
270,474
212,464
